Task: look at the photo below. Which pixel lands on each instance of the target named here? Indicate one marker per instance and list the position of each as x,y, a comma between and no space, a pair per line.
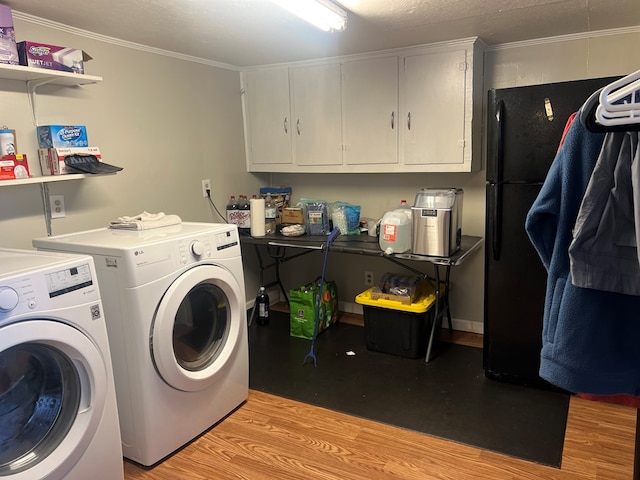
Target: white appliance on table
58,414
174,298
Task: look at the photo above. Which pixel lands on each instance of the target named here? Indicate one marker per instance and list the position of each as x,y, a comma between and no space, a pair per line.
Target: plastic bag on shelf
346,217
316,217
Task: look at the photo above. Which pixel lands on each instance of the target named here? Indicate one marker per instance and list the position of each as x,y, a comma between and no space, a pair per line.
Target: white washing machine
58,414
174,300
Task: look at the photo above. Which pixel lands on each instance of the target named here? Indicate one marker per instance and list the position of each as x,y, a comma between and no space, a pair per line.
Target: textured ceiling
256,32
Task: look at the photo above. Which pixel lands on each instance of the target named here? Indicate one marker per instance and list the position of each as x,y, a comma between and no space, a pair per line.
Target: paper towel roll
257,217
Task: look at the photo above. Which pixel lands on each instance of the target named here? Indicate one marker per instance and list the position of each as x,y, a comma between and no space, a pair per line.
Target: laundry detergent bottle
395,232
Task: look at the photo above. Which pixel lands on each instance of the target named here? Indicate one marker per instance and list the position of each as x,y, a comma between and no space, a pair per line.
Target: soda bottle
232,210
244,214
262,304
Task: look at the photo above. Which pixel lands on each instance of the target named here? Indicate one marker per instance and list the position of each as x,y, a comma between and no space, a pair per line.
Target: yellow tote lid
421,305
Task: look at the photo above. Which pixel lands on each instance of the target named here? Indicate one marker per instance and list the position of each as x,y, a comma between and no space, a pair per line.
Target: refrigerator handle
495,219
499,148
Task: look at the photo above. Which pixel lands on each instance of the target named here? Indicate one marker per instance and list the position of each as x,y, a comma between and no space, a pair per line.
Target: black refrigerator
524,129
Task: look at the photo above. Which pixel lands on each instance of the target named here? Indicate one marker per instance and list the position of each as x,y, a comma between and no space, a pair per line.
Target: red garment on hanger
570,120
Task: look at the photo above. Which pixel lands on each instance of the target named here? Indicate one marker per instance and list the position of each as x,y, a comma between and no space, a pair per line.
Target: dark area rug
448,397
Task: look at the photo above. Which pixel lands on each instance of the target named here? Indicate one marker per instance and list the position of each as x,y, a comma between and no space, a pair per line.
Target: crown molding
565,38
116,41
167,53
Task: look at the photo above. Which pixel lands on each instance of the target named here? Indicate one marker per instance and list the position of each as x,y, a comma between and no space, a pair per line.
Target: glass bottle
262,304
270,212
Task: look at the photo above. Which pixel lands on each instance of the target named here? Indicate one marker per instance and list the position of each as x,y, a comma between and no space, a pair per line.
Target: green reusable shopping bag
302,303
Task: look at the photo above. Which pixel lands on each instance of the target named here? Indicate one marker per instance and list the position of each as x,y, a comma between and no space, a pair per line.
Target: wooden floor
274,438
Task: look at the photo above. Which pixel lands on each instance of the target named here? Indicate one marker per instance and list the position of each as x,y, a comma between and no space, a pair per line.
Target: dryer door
197,327
53,385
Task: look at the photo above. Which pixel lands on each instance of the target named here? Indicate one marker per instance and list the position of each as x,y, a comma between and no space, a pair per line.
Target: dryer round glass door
197,327
52,388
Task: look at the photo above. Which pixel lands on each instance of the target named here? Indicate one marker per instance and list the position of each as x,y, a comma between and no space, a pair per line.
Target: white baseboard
459,324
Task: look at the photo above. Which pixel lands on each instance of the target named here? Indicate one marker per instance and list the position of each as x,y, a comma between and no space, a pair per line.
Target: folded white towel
145,221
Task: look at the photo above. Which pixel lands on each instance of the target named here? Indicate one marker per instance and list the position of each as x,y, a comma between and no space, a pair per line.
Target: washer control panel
49,288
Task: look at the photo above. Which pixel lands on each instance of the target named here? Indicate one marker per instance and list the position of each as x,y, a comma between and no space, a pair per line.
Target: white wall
169,122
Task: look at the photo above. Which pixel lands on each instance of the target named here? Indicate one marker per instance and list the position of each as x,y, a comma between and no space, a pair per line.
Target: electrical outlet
206,185
56,205
368,279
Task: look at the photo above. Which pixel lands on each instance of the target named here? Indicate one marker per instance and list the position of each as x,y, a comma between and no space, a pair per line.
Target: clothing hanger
618,102
626,117
588,117
617,90
596,116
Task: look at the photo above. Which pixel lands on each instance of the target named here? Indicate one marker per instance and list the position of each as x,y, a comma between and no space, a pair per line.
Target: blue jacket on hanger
591,337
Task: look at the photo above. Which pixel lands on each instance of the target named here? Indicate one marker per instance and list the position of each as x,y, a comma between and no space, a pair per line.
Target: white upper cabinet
370,111
267,116
316,108
433,109
293,118
416,109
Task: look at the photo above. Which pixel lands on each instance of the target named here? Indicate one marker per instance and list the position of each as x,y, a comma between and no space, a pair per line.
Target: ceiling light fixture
323,14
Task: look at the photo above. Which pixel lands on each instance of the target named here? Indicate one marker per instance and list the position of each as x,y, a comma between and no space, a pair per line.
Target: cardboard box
8,47
292,216
51,57
52,159
62,136
14,167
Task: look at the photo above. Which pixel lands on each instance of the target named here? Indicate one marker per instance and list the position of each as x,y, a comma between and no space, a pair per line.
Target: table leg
438,311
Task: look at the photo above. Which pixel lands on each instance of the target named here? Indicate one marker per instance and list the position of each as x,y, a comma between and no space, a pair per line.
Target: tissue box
62,136
14,167
52,159
51,57
8,47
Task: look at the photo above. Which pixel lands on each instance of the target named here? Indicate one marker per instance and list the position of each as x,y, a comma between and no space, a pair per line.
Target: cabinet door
317,128
370,111
268,116
433,123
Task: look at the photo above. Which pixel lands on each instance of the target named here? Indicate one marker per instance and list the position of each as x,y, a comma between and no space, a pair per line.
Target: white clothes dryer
58,414
174,300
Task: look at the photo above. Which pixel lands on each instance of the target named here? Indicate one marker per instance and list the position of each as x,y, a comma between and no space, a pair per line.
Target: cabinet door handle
393,120
409,120
286,125
298,126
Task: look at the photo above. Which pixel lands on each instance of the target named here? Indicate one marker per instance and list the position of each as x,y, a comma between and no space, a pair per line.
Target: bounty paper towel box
8,48
51,57
62,136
